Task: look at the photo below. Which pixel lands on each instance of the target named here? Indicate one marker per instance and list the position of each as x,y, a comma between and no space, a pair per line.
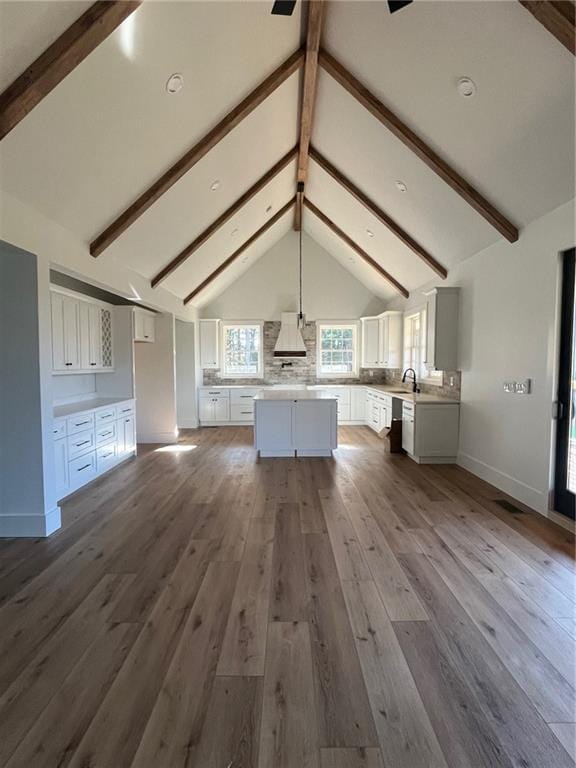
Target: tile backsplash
303,370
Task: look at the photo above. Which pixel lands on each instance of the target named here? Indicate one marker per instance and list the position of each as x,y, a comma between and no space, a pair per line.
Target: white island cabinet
295,423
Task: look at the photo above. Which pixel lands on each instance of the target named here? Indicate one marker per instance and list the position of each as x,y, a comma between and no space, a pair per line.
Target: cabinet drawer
80,423
215,392
106,414
243,396
243,412
106,455
124,409
58,429
106,433
83,442
81,469
343,411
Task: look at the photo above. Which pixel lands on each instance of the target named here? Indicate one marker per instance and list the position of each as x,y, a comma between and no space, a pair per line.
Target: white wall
271,287
186,411
26,228
510,298
156,385
27,486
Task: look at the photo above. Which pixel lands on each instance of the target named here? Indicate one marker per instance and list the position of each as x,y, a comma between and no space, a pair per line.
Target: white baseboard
30,526
532,497
157,437
188,424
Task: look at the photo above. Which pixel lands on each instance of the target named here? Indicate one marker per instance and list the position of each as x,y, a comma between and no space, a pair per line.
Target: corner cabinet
81,334
209,343
382,341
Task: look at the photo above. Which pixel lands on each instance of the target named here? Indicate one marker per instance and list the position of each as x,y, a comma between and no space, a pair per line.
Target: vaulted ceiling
110,129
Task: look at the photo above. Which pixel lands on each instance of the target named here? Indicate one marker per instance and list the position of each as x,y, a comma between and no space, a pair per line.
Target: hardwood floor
204,609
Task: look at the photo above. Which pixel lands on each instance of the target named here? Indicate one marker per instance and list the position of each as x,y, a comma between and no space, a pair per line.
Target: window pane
242,350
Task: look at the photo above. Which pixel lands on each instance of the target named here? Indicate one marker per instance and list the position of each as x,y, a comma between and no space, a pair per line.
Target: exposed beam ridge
559,18
360,251
197,152
185,254
315,16
418,146
371,206
60,58
252,239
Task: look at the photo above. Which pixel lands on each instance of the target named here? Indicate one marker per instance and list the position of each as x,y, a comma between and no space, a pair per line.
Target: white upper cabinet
382,341
209,343
81,334
144,326
370,342
65,333
442,329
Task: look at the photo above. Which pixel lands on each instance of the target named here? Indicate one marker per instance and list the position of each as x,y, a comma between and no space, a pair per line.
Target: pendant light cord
301,315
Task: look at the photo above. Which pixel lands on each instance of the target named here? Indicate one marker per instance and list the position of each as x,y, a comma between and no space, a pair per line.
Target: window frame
423,373
224,325
354,325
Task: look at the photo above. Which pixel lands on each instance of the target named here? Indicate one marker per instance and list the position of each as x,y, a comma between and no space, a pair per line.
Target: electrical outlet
518,387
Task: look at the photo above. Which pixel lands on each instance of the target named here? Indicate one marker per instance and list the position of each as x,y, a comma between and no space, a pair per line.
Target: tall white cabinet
209,343
382,340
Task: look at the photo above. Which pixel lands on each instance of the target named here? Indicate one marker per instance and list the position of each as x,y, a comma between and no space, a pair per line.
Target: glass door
565,479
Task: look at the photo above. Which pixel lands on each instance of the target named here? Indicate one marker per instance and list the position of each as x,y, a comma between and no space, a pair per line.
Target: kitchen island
295,423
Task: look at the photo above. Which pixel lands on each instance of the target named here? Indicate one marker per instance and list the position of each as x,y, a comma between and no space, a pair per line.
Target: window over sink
337,350
242,350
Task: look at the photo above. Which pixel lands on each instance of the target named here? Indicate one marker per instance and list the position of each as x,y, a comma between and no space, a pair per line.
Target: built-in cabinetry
209,332
89,442
430,432
442,329
381,408
382,341
81,334
144,326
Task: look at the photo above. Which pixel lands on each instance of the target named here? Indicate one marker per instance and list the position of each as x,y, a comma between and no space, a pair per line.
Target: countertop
293,394
298,389
71,409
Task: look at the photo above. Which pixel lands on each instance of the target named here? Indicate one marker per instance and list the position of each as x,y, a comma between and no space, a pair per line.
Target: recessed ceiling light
234,232
244,259
214,186
400,186
175,83
352,259
369,233
466,87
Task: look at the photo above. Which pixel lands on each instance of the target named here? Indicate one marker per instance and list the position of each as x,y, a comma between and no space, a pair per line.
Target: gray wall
186,411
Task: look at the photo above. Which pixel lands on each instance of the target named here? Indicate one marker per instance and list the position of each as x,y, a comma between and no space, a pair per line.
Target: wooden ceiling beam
360,251
225,264
407,136
374,209
314,32
197,152
558,17
185,254
60,58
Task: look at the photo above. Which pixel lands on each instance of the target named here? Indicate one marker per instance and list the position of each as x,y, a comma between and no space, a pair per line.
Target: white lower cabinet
90,443
430,432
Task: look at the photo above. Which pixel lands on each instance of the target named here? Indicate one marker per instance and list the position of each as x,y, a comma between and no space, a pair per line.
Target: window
415,347
242,350
337,354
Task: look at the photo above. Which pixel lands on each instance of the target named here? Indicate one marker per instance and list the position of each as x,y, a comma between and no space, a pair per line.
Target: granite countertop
71,409
293,394
410,397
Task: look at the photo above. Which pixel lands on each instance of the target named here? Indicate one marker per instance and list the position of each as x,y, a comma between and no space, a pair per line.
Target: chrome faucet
415,387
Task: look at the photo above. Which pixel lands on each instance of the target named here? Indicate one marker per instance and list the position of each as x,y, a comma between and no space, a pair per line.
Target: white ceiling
110,129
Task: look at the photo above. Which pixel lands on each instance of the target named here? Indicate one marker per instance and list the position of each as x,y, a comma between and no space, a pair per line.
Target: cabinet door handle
81,423
248,413
84,467
67,363
84,442
105,434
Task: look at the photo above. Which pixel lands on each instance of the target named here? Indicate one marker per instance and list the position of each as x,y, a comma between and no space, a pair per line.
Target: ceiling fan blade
397,5
283,7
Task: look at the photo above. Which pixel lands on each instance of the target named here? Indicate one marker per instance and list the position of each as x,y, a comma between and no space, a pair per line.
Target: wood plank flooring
203,609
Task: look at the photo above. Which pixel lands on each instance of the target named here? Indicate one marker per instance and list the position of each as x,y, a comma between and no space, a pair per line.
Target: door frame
564,500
